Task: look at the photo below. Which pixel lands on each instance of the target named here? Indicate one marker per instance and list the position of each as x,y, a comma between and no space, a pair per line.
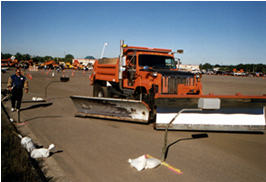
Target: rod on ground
166,146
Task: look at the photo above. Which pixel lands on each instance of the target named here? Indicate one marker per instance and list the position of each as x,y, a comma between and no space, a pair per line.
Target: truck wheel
99,91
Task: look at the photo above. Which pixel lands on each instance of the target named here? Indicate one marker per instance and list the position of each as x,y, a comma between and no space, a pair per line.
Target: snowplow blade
110,108
235,115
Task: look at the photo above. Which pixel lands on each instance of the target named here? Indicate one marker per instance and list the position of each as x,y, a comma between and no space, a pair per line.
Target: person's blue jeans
16,97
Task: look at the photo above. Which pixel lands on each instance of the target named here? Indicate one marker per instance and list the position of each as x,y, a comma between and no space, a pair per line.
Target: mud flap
234,116
110,108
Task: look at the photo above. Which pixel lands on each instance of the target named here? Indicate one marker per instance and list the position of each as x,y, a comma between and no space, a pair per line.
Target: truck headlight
154,74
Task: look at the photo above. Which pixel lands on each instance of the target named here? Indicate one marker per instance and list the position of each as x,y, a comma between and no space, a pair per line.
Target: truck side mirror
180,51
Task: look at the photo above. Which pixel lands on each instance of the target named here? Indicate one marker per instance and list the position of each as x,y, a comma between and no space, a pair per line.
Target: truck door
131,69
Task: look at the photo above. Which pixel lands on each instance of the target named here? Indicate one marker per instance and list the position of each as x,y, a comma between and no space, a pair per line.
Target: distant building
84,62
216,69
189,67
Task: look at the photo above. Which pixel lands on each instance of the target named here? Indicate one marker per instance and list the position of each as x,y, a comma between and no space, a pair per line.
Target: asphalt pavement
90,149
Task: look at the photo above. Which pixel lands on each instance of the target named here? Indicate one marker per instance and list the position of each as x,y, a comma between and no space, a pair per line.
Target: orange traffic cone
29,76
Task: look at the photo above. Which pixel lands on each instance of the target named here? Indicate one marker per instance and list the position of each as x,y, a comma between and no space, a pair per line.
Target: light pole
104,45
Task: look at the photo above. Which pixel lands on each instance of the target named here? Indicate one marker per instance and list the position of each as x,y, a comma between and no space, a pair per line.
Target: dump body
105,70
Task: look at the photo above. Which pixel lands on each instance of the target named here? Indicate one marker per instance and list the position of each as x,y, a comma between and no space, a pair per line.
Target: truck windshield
156,61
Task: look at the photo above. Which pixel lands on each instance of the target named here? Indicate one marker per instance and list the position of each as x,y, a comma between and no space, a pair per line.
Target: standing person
15,84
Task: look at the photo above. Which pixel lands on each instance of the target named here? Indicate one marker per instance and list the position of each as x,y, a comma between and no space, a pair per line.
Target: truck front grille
169,83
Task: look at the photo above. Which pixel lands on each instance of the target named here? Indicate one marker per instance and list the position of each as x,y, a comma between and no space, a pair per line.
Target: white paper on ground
152,163
27,143
42,152
142,162
138,163
37,99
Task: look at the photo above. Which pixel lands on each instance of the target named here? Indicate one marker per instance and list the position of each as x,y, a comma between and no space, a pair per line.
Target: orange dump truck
139,72
8,62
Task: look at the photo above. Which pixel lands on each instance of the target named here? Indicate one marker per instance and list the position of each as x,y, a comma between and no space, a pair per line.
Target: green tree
69,57
38,59
26,57
5,56
19,56
264,69
48,58
260,67
206,66
89,57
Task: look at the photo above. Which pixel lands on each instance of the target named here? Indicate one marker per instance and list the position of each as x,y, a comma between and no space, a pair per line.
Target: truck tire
100,91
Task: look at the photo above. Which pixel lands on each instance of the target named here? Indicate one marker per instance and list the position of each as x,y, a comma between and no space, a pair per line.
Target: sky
208,32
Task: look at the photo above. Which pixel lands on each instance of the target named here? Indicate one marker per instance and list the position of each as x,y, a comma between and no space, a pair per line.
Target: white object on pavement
142,162
42,152
152,163
27,143
138,163
37,99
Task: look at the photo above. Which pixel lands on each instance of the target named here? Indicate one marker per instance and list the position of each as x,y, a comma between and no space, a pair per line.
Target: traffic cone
29,76
73,73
